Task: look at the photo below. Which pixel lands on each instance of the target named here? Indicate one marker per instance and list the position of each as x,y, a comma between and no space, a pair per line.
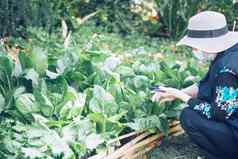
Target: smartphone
156,88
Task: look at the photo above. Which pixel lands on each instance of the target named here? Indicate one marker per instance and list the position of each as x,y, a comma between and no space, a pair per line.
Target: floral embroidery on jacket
225,69
227,99
204,108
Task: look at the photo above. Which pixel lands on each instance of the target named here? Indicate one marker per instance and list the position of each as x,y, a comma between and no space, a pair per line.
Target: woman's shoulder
228,63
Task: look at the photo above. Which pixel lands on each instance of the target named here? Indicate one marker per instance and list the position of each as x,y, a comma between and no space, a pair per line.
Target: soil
179,147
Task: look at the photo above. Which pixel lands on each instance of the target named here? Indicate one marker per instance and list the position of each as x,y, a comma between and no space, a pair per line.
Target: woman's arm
223,102
188,92
191,90
224,99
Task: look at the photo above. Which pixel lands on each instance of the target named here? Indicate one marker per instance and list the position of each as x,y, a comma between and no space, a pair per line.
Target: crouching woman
211,118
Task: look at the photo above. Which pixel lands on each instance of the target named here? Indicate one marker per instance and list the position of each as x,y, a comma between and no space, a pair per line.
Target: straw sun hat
207,31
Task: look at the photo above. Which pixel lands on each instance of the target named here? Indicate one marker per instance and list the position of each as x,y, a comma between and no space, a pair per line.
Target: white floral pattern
205,108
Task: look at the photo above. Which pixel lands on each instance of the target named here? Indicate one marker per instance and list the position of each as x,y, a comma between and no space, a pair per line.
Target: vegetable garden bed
73,102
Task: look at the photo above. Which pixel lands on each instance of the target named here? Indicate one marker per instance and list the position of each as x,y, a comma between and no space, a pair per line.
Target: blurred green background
165,18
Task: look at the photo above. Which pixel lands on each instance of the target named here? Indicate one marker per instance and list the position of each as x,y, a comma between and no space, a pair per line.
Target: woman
211,118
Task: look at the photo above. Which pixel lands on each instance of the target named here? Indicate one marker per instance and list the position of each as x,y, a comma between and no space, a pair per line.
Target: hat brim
211,45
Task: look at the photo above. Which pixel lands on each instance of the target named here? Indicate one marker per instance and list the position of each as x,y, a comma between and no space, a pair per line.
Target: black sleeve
224,100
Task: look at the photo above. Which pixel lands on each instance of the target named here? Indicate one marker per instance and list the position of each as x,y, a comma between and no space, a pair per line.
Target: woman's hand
162,97
169,94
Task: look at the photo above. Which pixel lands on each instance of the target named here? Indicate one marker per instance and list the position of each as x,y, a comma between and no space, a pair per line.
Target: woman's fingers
165,95
173,91
169,92
155,97
161,95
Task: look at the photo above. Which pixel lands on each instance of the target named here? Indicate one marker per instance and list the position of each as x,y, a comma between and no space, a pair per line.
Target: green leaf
105,124
47,107
26,103
172,113
117,117
103,102
39,60
32,75
2,103
40,119
19,91
111,63
145,123
74,104
41,134
44,104
11,145
69,134
93,140
6,66
116,89
17,70
52,75
125,71
141,82
32,152
77,131
25,60
65,111
71,94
